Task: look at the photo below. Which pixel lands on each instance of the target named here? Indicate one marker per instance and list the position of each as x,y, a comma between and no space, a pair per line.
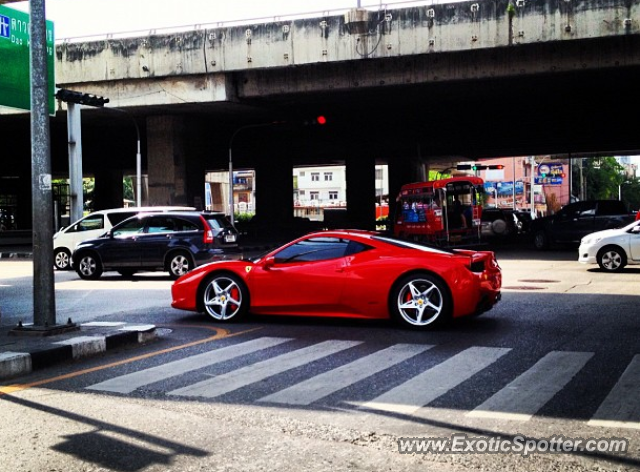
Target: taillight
208,232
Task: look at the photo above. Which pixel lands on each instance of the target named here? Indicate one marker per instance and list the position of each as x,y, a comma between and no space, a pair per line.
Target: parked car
612,249
504,223
351,274
498,223
576,220
93,225
171,241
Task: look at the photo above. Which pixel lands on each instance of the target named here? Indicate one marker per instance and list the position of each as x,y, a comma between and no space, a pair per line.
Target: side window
128,228
610,207
313,249
588,209
89,223
355,247
119,217
160,224
181,224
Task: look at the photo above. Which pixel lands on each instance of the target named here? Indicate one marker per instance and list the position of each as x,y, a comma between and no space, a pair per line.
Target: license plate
230,238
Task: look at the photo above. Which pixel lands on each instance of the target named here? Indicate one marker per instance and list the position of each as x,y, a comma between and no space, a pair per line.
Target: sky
79,18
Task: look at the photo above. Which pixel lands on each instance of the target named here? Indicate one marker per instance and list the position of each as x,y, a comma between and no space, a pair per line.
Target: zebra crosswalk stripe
315,388
129,382
244,376
422,389
621,408
529,392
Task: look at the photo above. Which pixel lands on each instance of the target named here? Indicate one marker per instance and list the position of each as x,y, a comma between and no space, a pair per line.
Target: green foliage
242,217
604,179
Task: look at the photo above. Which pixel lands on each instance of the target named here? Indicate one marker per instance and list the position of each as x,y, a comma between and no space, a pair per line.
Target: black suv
175,242
575,220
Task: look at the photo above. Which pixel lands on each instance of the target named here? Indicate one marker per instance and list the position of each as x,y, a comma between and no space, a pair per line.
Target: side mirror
268,263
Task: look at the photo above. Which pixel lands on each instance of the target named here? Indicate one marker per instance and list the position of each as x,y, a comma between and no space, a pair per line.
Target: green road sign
15,82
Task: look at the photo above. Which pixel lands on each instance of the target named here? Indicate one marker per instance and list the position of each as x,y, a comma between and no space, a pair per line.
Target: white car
612,249
92,226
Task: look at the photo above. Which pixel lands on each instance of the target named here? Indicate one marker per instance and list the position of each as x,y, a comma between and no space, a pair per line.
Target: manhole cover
539,281
523,287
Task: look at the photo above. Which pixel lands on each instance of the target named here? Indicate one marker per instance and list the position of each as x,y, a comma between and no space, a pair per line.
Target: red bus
444,212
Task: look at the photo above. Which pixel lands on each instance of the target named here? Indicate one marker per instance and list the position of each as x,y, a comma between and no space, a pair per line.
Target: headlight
590,240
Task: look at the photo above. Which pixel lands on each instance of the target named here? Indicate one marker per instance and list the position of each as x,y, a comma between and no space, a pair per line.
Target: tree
603,178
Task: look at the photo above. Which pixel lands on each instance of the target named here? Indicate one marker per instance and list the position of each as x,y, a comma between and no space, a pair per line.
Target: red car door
306,278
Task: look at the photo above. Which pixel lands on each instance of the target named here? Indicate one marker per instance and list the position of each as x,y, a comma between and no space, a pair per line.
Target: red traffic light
321,120
495,166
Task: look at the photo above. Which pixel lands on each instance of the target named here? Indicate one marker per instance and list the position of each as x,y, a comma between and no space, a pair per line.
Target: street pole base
32,330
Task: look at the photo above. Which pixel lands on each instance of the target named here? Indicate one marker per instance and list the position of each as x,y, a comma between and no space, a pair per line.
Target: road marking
244,376
315,388
220,333
523,397
621,408
129,382
422,389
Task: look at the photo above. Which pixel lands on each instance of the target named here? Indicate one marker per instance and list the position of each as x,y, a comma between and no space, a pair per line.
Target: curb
16,363
16,255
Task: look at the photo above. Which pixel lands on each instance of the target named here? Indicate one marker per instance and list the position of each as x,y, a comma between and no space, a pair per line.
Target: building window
314,195
302,193
379,174
315,176
333,195
328,176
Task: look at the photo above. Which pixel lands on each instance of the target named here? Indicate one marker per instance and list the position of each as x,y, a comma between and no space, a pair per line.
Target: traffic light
71,96
475,167
318,120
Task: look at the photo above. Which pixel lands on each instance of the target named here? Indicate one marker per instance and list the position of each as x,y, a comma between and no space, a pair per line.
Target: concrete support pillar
274,193
166,160
361,191
108,191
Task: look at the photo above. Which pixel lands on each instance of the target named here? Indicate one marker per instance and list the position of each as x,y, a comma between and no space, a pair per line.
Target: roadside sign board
15,80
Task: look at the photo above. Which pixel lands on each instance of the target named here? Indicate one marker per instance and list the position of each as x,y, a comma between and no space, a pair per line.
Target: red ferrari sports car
346,273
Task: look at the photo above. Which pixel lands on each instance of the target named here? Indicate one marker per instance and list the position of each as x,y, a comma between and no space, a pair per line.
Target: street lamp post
620,189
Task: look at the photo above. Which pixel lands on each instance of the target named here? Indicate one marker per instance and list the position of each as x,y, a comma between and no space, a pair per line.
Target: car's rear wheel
540,240
225,298
179,264
611,259
420,300
62,259
88,266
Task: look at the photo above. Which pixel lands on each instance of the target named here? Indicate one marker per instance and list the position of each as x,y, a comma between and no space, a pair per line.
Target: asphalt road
555,358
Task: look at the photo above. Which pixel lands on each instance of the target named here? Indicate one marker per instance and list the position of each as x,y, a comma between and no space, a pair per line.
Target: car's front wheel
225,298
62,259
611,259
420,300
179,264
88,266
540,240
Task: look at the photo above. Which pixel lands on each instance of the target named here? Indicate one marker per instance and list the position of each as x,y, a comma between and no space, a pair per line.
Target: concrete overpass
402,86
